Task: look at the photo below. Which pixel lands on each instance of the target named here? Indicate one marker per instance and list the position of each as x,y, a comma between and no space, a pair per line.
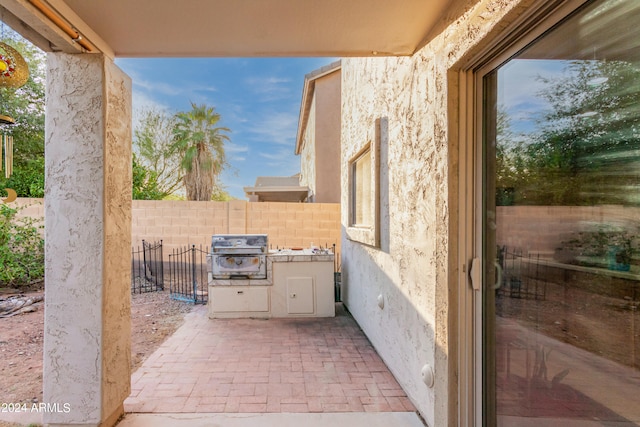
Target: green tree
145,183
585,148
27,179
156,166
26,106
221,195
592,133
510,163
200,143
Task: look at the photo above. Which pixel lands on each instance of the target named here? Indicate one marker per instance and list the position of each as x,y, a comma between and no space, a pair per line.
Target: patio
234,366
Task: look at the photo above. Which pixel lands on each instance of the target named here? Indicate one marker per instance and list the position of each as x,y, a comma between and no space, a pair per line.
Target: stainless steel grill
239,256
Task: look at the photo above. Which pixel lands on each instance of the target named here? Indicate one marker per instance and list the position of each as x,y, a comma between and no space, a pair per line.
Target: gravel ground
154,316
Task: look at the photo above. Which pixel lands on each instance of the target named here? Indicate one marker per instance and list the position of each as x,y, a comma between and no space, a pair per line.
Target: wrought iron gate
147,268
188,275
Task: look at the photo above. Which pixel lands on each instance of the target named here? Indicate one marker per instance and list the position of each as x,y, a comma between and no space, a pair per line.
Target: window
364,191
362,215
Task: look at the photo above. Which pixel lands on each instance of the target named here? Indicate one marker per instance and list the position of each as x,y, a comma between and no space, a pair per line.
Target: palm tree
201,145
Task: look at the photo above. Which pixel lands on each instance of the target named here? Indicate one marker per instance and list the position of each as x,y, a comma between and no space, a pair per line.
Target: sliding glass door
561,225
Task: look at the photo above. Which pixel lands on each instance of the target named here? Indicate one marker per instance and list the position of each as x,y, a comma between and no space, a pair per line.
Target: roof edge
308,89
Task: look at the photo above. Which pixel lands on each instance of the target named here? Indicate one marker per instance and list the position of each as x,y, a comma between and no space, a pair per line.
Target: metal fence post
161,267
193,274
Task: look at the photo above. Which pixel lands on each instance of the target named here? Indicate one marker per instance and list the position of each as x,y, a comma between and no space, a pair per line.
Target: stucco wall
413,207
320,148
87,238
116,304
327,138
72,331
411,269
308,151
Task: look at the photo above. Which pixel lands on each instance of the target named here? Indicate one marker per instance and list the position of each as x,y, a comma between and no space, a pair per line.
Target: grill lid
239,243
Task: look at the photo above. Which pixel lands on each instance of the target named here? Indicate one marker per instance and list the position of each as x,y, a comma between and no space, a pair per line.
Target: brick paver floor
275,365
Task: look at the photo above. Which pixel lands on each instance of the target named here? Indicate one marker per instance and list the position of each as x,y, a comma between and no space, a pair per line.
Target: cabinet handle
240,292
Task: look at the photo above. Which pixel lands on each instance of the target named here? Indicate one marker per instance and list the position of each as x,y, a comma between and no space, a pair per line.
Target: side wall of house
411,271
308,152
327,139
405,271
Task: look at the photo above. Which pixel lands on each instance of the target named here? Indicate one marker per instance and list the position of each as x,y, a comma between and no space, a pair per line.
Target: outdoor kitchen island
298,283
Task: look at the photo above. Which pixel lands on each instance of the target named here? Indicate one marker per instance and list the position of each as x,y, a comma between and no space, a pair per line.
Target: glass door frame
533,22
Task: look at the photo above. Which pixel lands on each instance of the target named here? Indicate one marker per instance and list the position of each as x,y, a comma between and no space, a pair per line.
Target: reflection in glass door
561,242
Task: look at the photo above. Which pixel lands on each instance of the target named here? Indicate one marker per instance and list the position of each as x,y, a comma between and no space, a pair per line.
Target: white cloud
161,88
521,85
282,161
235,152
164,88
284,168
266,84
279,155
231,147
277,128
270,88
206,88
142,102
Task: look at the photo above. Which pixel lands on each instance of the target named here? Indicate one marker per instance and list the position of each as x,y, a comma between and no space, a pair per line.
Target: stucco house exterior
459,118
318,136
454,268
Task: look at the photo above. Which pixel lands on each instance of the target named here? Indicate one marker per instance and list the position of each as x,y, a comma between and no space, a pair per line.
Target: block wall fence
181,223
542,229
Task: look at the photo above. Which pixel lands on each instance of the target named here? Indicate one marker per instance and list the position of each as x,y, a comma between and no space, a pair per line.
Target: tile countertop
289,255
283,255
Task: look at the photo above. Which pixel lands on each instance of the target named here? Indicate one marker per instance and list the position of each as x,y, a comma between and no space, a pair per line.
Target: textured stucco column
87,240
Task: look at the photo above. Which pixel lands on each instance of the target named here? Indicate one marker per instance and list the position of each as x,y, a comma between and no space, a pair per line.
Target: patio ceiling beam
49,25
62,24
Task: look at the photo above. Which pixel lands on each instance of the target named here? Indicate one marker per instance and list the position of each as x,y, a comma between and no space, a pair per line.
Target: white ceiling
212,28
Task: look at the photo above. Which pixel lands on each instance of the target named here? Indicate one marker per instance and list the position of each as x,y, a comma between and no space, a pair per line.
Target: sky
257,98
520,87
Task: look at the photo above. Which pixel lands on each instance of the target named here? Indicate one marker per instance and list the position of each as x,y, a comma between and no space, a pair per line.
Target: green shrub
21,249
27,179
601,245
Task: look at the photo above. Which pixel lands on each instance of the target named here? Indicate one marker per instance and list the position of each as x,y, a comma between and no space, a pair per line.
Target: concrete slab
26,417
351,419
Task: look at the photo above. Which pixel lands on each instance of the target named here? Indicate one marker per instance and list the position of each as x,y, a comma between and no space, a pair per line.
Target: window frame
368,234
353,166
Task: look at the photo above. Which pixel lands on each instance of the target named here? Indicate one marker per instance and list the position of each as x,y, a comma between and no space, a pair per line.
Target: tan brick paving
276,365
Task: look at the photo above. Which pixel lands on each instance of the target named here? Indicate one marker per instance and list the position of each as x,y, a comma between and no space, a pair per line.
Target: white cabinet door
233,299
303,288
300,295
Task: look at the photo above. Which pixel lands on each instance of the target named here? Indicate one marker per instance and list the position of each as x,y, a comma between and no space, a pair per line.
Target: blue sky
519,88
257,98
